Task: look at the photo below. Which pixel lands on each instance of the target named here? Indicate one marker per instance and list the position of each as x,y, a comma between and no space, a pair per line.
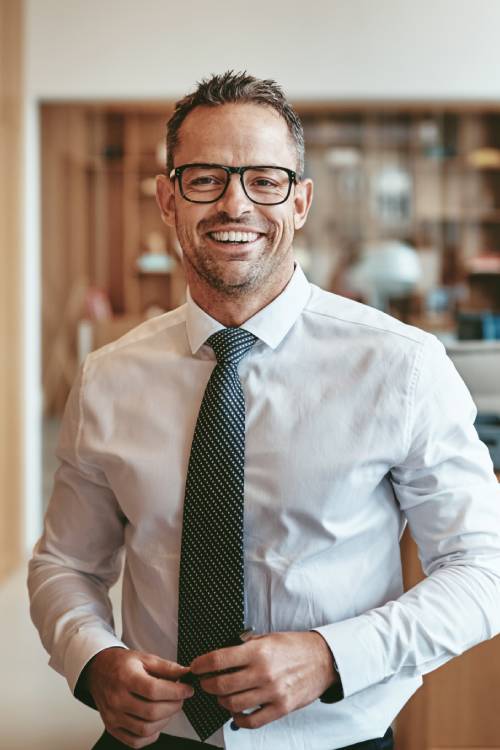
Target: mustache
222,219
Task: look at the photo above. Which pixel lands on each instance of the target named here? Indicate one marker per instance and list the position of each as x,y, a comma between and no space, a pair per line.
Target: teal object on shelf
491,327
483,326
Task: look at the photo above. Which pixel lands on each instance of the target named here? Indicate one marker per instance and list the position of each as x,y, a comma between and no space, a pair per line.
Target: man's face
235,135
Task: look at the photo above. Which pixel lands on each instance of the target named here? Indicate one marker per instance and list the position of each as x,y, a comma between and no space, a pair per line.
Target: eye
204,180
266,180
263,182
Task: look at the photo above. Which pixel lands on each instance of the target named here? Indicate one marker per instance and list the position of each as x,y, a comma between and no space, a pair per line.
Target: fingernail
234,726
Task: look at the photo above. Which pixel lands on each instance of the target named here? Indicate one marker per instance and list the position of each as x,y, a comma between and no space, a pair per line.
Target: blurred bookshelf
423,174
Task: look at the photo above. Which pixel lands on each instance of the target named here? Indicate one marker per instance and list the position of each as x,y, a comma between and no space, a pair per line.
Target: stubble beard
215,272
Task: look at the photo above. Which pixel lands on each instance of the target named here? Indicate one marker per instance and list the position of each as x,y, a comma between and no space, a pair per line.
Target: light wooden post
11,106
457,706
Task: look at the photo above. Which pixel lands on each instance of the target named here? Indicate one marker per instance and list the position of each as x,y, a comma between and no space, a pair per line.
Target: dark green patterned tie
211,580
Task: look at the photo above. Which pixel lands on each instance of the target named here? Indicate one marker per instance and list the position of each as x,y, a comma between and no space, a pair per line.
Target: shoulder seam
80,411
113,346
415,379
365,325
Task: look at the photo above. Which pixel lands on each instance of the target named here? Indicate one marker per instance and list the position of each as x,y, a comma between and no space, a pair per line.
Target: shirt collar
270,325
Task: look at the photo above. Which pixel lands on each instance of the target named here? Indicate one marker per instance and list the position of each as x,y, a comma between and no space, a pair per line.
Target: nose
234,202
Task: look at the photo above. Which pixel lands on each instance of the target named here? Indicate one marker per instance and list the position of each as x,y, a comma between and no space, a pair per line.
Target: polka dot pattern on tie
211,580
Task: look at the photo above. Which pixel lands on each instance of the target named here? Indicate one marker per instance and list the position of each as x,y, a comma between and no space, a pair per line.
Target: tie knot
231,344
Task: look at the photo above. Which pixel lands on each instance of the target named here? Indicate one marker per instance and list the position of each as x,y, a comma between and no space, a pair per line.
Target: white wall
315,48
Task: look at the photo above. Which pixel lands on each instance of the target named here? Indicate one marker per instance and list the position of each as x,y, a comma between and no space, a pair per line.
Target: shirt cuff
85,644
335,692
358,655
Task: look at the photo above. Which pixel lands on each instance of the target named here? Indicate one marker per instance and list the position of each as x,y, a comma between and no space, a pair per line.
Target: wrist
333,691
82,688
95,665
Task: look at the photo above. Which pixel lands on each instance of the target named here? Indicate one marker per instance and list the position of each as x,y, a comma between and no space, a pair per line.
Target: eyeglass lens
263,185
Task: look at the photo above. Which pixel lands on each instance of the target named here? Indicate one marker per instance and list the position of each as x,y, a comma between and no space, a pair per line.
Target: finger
159,667
140,728
233,682
245,701
222,659
150,710
155,689
259,717
132,740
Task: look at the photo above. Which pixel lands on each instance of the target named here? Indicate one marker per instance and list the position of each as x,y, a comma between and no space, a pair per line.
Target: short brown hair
230,88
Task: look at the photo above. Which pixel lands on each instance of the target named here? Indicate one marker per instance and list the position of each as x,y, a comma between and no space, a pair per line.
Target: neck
234,310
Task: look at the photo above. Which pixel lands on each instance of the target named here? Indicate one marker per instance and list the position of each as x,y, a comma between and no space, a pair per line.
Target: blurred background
401,109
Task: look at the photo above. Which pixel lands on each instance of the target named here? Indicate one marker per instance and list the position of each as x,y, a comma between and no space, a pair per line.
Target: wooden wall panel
65,257
456,708
11,108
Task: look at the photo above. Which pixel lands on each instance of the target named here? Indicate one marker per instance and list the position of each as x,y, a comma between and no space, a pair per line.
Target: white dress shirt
356,424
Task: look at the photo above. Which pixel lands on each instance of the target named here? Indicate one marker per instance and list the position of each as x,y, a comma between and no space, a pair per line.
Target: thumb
158,667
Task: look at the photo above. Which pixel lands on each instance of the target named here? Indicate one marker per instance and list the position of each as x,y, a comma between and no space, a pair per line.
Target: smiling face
234,248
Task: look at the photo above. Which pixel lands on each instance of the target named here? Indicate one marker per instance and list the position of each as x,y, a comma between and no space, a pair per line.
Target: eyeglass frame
178,171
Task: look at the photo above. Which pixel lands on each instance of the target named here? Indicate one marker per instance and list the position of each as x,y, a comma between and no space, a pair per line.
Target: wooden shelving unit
408,175
98,220
421,173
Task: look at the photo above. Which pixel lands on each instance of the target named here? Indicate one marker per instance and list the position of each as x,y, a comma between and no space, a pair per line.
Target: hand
135,693
276,674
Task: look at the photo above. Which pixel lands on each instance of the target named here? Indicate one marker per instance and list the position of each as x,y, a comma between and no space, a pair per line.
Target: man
349,424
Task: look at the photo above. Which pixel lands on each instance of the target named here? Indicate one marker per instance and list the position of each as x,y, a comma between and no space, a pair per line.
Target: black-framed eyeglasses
207,183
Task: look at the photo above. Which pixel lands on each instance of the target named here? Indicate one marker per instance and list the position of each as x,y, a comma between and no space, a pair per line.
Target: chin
231,286
232,277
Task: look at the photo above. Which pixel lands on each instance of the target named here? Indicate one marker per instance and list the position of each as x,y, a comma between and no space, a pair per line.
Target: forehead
235,135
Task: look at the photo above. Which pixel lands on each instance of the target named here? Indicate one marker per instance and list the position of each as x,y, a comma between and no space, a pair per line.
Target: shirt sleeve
448,492
78,557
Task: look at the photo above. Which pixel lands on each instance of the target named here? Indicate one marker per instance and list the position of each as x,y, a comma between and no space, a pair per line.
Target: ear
165,199
302,200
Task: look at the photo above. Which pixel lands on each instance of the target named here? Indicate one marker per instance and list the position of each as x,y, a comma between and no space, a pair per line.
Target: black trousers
167,742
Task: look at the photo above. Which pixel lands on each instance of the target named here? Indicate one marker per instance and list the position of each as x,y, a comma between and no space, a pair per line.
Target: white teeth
234,236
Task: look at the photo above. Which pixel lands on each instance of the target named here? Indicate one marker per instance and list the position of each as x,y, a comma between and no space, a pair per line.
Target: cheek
286,228
182,234
186,223
280,223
